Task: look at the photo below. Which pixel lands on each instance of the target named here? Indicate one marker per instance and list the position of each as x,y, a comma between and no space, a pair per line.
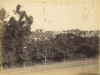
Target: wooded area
18,49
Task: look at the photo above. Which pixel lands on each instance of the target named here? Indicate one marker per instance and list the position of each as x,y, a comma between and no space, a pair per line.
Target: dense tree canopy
47,47
13,37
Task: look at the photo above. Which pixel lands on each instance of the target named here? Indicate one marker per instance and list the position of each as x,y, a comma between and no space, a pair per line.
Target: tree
14,33
43,50
2,17
2,14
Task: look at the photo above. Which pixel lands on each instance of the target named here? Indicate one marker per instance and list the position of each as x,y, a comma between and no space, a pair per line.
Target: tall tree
2,17
15,31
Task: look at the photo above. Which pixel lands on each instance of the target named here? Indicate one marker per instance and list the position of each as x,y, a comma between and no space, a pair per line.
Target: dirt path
67,68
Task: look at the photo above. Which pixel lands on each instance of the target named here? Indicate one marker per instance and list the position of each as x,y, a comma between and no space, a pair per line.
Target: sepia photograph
49,37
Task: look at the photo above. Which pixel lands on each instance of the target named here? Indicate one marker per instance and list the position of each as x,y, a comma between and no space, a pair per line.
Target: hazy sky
59,15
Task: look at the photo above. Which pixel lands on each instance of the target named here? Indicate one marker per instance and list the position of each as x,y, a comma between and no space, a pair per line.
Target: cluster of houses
39,34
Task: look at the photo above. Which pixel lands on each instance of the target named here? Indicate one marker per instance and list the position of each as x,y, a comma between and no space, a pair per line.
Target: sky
59,15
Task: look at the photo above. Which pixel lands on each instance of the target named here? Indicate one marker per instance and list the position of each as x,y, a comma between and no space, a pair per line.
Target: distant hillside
46,35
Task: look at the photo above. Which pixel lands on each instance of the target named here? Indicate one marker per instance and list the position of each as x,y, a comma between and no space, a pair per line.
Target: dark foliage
20,50
14,33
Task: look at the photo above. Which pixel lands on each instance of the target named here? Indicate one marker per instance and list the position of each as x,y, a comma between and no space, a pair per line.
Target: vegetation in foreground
22,47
